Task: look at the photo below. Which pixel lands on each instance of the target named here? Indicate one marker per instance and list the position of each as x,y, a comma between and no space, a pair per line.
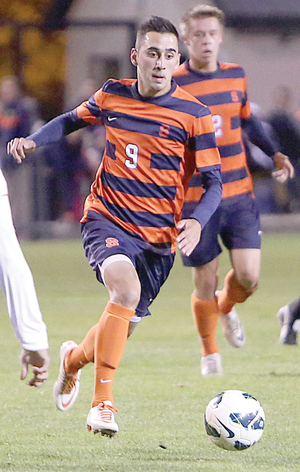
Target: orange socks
104,344
82,354
232,293
205,314
110,341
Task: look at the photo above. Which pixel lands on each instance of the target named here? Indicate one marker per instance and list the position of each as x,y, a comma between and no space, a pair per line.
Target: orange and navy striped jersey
225,93
153,147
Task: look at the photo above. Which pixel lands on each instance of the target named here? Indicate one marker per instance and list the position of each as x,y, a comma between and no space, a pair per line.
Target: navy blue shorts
102,238
237,223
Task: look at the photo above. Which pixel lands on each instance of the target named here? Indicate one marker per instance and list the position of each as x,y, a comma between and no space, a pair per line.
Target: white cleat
211,364
289,326
66,388
233,328
101,419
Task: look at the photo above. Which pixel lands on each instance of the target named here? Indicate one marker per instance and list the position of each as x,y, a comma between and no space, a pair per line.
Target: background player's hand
17,147
40,360
284,167
189,237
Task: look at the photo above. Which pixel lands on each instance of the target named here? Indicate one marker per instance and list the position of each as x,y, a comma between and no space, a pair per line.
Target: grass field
159,391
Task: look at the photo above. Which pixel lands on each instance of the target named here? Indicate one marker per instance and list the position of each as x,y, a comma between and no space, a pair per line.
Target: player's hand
189,237
17,147
284,167
40,360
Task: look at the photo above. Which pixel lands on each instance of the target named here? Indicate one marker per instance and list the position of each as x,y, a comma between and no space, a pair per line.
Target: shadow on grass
283,374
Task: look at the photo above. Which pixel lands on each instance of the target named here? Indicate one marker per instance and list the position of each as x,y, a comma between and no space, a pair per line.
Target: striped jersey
225,93
153,147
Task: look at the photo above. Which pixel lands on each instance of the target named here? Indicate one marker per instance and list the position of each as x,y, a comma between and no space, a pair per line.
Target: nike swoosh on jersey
111,118
104,381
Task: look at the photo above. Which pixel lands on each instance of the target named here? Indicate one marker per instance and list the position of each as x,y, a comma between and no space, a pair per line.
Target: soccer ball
234,420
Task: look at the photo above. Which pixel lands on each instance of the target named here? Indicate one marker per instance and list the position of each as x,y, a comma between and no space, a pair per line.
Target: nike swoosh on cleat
104,381
65,405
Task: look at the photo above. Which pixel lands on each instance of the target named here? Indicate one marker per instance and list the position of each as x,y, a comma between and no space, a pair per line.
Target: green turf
158,388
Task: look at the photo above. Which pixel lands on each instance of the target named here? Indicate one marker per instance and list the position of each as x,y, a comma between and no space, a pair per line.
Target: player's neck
148,92
203,67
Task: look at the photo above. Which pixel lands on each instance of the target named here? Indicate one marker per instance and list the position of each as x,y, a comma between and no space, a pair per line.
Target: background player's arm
284,167
257,135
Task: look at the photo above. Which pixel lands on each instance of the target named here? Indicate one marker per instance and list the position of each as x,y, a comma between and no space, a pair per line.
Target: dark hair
158,25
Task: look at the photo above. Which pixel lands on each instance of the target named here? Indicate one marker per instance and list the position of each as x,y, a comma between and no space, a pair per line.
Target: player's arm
284,167
191,227
212,184
31,332
49,133
257,135
206,158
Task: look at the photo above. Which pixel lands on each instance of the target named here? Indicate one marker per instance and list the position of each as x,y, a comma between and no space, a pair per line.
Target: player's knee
126,294
129,299
205,281
123,284
248,281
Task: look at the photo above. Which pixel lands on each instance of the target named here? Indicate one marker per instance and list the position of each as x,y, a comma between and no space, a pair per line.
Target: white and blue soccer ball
234,420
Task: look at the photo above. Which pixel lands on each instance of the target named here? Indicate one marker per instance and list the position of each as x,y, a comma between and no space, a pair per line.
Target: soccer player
223,87
157,134
289,316
17,285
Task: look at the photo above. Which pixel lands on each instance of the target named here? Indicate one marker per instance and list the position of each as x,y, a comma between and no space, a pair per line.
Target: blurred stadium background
52,47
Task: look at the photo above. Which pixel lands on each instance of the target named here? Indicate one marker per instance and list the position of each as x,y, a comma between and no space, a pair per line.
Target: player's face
203,41
156,59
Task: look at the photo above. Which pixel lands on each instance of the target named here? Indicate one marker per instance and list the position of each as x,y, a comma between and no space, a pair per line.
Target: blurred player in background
157,134
17,285
286,127
18,113
223,88
289,317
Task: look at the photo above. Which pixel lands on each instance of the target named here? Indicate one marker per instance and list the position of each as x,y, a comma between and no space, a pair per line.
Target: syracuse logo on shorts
111,242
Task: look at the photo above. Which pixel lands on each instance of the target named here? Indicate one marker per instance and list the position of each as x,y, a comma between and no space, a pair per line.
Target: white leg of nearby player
16,282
